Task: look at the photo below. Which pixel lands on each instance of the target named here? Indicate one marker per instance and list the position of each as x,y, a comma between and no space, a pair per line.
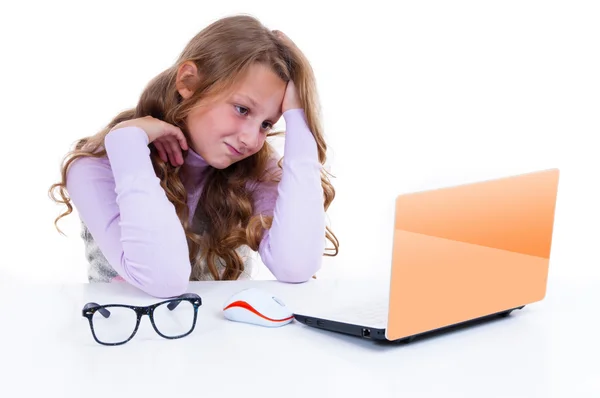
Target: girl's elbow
168,287
164,281
299,262
298,269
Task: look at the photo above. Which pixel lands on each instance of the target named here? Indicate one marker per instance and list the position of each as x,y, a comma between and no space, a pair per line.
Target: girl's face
235,126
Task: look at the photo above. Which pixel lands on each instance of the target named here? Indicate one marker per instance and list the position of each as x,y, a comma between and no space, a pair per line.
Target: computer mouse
257,307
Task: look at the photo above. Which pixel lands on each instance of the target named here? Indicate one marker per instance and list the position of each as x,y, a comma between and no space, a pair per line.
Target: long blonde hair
222,52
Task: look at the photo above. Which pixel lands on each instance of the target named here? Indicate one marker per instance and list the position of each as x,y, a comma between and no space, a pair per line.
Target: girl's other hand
290,98
168,139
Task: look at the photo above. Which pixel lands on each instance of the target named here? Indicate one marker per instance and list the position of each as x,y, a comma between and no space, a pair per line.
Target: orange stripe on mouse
245,305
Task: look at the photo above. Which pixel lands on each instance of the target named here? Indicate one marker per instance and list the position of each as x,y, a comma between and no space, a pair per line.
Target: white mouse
257,307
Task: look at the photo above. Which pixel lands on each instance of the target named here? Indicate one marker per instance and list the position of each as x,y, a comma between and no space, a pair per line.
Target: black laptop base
340,327
377,334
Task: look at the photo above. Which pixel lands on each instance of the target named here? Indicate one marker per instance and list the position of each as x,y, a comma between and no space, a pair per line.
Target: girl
175,189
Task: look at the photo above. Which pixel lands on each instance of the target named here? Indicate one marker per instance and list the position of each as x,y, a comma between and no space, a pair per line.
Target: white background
416,95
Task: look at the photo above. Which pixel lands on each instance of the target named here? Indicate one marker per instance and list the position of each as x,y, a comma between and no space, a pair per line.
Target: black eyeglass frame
91,308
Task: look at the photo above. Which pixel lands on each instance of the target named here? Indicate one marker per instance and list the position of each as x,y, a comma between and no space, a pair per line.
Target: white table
548,349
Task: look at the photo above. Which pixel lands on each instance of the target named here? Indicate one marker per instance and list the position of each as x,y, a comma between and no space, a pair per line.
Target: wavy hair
223,53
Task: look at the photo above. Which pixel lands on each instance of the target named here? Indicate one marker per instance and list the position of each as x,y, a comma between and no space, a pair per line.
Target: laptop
460,255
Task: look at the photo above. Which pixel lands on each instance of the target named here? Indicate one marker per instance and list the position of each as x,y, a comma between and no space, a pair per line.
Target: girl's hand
169,140
290,98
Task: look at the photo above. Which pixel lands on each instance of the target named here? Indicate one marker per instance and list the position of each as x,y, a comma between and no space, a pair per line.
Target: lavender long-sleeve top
135,227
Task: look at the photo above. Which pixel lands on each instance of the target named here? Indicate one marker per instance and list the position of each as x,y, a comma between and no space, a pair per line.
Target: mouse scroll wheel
278,301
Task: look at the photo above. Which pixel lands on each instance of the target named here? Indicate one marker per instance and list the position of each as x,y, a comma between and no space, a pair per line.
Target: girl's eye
244,111
241,109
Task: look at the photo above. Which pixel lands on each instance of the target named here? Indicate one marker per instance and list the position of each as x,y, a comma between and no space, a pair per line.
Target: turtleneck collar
195,162
194,168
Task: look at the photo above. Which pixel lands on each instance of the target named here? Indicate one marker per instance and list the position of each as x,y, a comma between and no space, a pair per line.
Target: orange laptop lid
472,250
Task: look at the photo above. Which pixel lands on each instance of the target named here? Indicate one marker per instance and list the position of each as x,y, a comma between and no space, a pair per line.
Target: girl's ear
187,79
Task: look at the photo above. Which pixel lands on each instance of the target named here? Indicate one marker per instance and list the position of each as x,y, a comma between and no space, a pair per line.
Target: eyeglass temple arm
90,306
173,304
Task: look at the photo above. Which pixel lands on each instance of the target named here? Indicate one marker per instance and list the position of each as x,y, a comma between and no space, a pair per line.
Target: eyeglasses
116,324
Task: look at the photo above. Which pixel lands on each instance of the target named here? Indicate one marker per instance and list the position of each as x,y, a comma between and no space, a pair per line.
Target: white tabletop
547,349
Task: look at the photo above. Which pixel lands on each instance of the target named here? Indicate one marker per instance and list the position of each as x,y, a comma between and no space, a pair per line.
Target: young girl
175,189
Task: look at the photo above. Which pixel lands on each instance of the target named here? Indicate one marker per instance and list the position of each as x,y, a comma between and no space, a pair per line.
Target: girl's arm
129,216
292,249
